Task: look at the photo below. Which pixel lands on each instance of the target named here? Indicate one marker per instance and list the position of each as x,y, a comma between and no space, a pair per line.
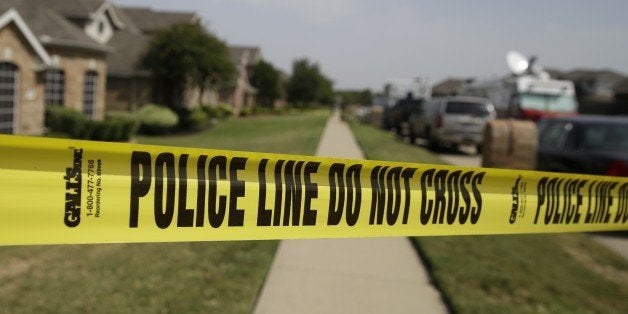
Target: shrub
194,120
63,120
155,119
225,109
246,111
122,125
212,111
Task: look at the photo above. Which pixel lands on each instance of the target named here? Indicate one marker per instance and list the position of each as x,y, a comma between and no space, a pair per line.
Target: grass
289,134
564,273
202,277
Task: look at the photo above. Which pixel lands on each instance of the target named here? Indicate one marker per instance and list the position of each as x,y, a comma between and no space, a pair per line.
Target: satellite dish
517,63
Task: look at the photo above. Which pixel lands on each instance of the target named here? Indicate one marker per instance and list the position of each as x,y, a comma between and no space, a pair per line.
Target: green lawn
204,277
289,134
566,273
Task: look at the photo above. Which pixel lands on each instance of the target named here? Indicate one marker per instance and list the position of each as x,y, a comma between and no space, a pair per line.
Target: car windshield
472,108
612,137
547,103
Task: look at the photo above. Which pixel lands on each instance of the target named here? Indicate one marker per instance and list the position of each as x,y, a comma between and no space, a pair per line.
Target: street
467,156
464,156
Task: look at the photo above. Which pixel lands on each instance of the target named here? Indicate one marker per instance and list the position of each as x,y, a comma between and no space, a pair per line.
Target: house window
8,96
55,87
101,27
89,94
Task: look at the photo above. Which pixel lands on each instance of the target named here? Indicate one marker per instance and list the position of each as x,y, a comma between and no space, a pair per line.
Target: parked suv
452,121
584,144
396,117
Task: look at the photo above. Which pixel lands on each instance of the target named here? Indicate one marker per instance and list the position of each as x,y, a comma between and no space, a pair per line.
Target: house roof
449,86
150,21
12,16
622,87
50,28
129,48
246,54
75,8
586,74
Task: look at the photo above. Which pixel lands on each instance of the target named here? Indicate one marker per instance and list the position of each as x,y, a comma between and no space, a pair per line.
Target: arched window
8,97
55,87
89,94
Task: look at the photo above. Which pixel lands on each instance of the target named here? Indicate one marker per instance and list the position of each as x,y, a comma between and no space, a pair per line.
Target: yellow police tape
69,191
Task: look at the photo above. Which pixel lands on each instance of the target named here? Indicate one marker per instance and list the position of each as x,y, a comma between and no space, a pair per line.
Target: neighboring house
130,85
621,97
242,94
595,89
51,54
451,87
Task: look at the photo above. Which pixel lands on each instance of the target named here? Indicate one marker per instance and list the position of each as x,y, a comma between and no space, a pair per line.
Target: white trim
13,16
106,6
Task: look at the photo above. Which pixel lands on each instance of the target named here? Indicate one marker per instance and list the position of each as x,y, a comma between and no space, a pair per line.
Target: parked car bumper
450,138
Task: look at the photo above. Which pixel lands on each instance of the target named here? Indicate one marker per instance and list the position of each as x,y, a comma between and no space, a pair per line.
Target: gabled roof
129,44
75,8
130,48
451,86
150,21
245,54
51,28
12,16
587,74
622,87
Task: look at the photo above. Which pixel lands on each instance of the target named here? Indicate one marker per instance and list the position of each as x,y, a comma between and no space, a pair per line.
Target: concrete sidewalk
377,275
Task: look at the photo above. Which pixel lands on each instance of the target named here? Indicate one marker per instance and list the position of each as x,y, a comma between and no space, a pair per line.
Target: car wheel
434,144
478,149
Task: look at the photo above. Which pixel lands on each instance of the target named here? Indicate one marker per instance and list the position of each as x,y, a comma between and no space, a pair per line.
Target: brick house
242,94
130,85
595,90
51,55
451,87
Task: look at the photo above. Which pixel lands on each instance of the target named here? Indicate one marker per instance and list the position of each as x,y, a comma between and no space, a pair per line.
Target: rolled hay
495,149
524,145
510,144
377,116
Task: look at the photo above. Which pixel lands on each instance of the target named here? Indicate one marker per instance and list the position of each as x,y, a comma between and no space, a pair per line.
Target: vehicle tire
478,149
434,144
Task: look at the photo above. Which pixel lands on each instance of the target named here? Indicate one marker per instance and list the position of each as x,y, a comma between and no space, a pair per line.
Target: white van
452,121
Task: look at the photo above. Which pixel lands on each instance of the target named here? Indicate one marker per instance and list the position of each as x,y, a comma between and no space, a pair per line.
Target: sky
363,43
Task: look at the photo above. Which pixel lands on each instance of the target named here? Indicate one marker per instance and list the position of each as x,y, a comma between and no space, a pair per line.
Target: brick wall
75,64
127,93
15,49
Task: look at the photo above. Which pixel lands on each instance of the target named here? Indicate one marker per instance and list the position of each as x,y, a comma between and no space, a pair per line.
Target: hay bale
495,149
510,144
524,145
377,114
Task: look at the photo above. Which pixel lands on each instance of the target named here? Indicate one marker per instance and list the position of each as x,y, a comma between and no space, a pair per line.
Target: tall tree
188,54
363,96
267,81
308,85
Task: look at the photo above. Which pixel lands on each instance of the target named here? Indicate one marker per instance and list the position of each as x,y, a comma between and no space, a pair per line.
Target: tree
308,85
188,54
364,96
267,81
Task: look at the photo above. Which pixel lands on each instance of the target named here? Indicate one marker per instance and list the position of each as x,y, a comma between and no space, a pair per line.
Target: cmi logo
515,201
73,182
